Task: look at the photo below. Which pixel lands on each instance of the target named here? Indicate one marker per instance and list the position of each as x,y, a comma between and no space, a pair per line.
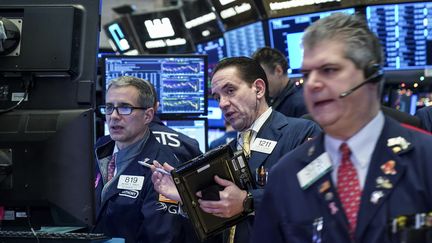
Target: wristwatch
248,203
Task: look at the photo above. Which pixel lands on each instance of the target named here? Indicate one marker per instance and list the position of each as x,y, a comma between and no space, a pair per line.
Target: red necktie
111,167
348,186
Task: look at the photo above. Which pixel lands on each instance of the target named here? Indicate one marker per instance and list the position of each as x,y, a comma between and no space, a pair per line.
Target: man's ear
148,115
259,88
278,70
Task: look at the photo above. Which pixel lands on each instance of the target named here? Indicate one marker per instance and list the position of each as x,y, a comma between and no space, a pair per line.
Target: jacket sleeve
161,221
266,227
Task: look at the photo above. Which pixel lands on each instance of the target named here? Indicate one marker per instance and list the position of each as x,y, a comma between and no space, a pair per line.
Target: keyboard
51,235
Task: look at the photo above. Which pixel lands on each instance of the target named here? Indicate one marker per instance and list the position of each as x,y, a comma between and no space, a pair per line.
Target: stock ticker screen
245,40
285,34
405,31
180,80
215,51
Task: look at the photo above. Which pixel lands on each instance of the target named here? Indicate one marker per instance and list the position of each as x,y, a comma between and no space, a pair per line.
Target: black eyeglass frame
103,109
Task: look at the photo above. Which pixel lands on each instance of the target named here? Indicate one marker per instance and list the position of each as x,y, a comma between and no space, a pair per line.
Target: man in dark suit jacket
286,97
366,169
240,86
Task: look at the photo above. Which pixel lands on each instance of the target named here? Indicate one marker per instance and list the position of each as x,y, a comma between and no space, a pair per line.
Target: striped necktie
111,167
246,137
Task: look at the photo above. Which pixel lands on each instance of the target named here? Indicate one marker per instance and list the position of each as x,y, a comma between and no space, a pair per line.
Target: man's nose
223,102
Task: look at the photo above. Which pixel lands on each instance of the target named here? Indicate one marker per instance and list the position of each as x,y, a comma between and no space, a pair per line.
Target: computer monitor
215,116
180,80
405,32
214,133
245,40
49,52
195,128
285,34
47,168
215,51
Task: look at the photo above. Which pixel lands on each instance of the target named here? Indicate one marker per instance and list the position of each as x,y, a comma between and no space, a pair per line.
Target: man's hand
163,183
230,203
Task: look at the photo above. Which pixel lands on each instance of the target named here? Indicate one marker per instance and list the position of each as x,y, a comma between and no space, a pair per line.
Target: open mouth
228,115
115,128
323,103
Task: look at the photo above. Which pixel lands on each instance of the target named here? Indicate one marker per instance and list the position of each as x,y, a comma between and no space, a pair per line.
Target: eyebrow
120,104
323,65
223,87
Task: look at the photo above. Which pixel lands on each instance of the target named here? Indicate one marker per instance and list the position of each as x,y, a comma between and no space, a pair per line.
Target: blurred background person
286,97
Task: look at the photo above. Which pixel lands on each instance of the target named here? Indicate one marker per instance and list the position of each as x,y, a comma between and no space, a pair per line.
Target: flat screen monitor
245,40
285,34
47,168
49,47
214,133
180,80
405,32
215,51
215,116
195,128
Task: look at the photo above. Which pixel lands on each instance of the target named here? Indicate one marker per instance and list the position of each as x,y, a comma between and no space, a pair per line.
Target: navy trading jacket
290,101
402,158
184,147
133,211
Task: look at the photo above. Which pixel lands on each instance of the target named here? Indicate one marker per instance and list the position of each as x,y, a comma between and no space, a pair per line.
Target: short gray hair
146,96
362,46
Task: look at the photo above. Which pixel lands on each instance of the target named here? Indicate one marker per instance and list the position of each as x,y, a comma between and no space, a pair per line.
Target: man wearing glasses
127,206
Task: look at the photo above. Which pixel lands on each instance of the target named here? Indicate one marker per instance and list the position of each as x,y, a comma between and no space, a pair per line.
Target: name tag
314,170
263,145
130,182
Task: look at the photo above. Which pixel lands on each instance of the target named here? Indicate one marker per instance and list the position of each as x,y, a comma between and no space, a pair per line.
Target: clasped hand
231,197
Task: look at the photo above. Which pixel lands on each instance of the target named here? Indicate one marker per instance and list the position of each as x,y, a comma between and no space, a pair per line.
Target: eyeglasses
121,110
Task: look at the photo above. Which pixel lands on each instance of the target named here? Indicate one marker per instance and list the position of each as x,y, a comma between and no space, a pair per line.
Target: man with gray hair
127,205
365,169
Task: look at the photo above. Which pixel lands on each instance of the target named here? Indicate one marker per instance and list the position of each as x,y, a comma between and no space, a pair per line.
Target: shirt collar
259,122
256,126
368,135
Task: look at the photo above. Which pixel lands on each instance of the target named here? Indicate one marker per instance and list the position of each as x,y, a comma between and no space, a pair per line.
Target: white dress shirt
362,145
